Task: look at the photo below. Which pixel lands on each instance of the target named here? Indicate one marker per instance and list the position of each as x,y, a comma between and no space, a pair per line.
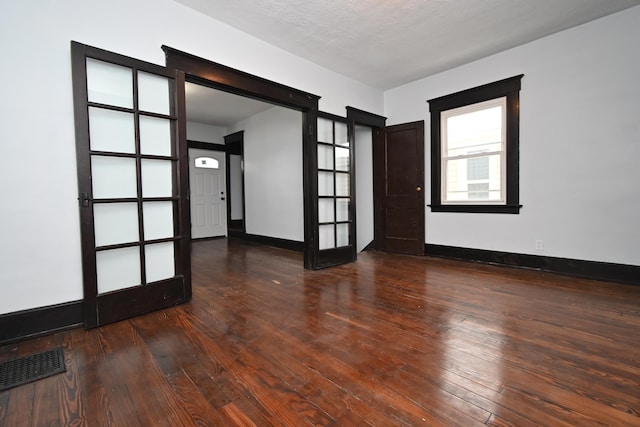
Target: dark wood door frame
377,125
208,73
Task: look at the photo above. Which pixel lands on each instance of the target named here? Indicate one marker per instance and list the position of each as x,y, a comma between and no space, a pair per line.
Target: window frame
508,88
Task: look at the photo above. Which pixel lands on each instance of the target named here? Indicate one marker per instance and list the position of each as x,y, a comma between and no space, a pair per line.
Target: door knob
222,198
418,189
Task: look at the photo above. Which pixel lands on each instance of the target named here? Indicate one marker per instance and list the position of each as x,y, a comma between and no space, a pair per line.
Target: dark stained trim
361,117
35,322
476,94
620,273
511,89
507,209
233,142
291,245
208,73
238,82
116,306
198,239
334,117
79,52
377,124
370,246
206,145
310,187
379,185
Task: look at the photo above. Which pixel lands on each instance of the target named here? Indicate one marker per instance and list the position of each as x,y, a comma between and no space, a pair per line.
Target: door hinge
84,199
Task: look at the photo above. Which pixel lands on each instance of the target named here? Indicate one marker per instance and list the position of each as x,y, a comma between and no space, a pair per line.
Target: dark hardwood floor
390,340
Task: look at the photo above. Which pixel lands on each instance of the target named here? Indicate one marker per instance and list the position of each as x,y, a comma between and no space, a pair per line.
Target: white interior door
207,178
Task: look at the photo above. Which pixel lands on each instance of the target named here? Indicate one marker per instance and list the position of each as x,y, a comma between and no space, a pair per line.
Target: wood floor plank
388,340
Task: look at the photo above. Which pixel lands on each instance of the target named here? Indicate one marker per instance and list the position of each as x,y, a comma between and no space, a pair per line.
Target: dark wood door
400,205
334,211
133,183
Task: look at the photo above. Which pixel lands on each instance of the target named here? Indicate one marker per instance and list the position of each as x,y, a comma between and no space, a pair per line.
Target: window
472,153
206,163
474,149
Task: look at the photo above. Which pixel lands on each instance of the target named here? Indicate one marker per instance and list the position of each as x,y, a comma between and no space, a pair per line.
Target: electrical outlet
539,245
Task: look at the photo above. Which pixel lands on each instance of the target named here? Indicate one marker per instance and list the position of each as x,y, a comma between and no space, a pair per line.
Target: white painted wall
274,204
364,186
235,186
39,221
579,144
206,133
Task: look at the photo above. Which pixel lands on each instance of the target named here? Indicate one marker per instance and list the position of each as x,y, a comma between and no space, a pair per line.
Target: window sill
501,209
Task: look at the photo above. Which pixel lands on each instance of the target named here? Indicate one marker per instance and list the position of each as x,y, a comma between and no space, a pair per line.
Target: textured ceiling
388,43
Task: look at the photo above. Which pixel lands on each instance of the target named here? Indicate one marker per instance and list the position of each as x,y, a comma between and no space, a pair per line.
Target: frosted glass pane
342,184
113,177
156,178
342,210
153,93
115,223
342,231
326,237
342,159
341,134
155,136
157,220
325,183
325,210
325,156
159,261
325,130
206,163
118,269
109,84
111,131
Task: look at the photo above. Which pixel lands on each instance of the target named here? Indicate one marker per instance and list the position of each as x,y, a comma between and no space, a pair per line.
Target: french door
336,242
133,182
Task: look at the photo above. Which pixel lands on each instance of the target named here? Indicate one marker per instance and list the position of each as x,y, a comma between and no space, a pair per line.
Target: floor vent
31,368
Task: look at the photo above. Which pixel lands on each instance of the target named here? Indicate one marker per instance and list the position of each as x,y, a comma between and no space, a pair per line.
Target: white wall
274,200
206,133
579,144
236,187
39,221
364,186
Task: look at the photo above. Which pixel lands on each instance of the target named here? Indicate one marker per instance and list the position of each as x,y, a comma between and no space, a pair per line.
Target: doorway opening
258,192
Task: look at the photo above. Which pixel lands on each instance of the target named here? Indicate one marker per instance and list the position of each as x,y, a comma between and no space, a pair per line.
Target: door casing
208,73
